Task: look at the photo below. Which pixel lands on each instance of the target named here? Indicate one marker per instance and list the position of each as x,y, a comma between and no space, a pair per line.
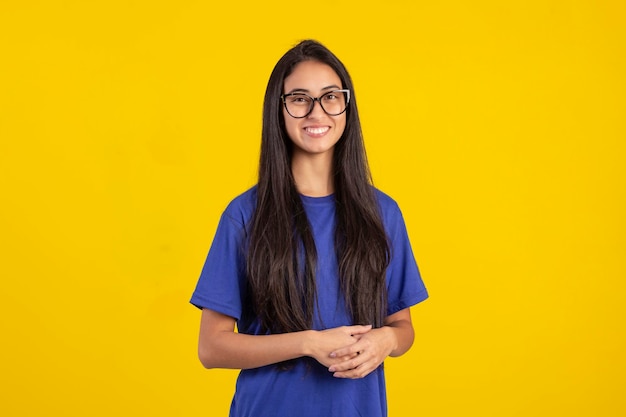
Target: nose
317,109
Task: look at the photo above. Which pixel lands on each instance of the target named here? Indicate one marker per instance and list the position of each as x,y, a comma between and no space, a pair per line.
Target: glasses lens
334,102
298,105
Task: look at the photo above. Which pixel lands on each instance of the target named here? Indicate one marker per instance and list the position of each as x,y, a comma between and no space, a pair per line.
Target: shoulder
387,204
241,208
390,213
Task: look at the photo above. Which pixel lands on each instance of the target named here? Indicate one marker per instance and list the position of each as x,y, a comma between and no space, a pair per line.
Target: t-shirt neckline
318,200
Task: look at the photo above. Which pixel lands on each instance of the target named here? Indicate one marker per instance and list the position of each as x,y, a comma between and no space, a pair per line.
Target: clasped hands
353,351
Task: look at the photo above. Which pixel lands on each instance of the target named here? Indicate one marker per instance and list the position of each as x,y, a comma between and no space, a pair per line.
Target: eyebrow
304,90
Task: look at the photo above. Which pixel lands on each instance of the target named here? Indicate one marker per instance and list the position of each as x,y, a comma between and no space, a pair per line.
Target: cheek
341,125
291,126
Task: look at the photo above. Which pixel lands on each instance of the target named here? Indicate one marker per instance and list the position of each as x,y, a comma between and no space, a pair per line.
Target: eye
331,97
298,99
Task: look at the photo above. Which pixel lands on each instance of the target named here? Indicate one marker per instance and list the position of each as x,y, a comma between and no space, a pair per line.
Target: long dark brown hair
281,256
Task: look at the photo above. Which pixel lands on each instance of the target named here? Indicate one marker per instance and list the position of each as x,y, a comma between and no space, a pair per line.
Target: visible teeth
316,130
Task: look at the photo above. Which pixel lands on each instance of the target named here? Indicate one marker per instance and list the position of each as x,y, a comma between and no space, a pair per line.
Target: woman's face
317,133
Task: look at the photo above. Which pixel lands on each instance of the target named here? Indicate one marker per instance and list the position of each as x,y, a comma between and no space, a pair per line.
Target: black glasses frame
313,100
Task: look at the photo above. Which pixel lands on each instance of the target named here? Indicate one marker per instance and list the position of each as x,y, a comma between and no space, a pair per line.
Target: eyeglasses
300,105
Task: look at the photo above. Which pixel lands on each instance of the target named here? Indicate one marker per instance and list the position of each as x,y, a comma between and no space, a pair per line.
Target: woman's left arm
393,339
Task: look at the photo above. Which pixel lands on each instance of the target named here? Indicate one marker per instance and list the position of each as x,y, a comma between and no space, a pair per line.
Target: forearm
227,349
403,334
220,347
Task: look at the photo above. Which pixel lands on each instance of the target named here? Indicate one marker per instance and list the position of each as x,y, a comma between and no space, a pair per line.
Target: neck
313,174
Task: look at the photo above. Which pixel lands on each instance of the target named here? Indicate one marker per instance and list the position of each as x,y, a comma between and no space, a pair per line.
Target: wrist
308,341
392,339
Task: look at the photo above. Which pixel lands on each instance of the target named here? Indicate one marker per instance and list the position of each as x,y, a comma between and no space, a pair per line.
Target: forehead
312,76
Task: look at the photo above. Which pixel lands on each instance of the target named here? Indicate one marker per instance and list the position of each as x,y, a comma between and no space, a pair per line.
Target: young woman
313,264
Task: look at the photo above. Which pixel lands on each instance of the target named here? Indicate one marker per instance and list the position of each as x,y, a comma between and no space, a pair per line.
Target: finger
355,348
358,372
336,361
349,351
340,359
348,364
357,330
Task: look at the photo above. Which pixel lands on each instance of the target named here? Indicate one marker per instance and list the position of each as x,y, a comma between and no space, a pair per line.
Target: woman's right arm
220,346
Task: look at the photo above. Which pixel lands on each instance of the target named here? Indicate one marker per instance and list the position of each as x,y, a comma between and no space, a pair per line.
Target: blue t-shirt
307,389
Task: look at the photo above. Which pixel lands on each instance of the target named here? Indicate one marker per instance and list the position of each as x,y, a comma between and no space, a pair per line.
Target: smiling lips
316,131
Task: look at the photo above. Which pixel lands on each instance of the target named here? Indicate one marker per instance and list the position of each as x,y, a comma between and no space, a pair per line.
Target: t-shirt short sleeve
405,287
221,284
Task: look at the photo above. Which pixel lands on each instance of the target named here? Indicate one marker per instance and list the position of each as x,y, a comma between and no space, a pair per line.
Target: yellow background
127,126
